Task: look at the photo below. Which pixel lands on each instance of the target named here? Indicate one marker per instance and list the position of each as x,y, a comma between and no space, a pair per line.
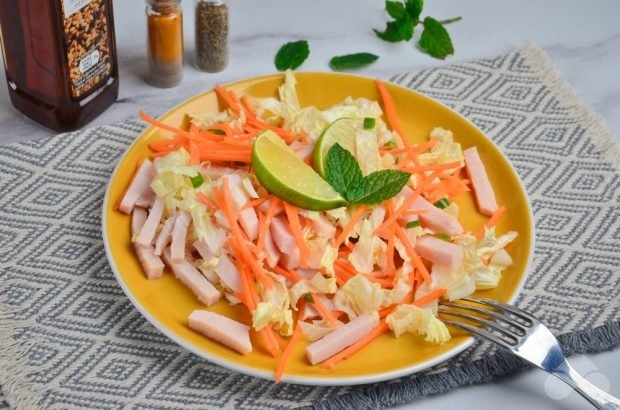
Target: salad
327,225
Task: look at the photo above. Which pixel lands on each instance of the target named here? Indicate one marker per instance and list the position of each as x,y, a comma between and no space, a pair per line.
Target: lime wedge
285,175
341,131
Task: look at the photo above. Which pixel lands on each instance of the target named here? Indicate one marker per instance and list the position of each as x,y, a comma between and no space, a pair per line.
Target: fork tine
514,339
478,331
498,316
503,306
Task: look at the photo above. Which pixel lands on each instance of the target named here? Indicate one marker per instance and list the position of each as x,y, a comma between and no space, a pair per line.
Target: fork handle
596,396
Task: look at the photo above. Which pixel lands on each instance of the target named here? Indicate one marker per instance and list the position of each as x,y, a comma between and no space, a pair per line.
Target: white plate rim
308,380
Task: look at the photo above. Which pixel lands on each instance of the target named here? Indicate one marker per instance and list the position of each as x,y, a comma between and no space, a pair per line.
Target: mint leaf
292,55
414,8
378,186
435,39
342,171
397,30
350,61
197,180
395,9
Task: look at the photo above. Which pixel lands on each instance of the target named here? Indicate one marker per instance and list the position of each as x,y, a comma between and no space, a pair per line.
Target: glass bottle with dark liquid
60,59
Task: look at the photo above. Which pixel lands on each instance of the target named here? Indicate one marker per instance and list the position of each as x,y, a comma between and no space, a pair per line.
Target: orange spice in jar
165,42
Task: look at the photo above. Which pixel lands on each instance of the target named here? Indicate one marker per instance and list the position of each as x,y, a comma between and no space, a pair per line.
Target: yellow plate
166,303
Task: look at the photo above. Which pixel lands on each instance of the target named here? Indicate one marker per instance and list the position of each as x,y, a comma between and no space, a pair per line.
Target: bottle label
87,44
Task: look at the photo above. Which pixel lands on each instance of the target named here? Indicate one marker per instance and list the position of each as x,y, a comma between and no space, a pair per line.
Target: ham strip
292,260
140,183
228,273
193,279
341,338
435,218
165,235
146,199
442,253
203,249
222,329
147,233
485,197
282,236
272,254
323,228
179,236
151,264
310,312
138,218
247,217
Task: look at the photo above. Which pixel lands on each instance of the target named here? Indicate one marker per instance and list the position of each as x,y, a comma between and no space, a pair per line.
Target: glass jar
211,35
59,59
165,42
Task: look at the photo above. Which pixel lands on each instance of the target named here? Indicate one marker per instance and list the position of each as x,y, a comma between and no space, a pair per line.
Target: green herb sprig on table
352,61
434,40
345,176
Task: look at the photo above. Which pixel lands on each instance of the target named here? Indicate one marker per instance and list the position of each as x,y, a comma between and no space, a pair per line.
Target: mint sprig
434,40
352,61
343,173
292,55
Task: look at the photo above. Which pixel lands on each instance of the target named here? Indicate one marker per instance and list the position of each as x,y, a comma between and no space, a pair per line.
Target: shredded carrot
289,349
224,199
355,347
491,222
442,167
426,299
263,230
255,202
417,262
349,227
288,274
270,339
292,213
397,214
390,113
227,99
346,266
166,127
247,108
325,313
205,200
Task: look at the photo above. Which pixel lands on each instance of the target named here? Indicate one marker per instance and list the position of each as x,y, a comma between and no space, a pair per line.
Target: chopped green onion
413,224
389,144
444,237
443,203
218,131
197,180
369,123
308,298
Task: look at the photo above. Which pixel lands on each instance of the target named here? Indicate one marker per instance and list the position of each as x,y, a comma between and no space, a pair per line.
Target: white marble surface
582,39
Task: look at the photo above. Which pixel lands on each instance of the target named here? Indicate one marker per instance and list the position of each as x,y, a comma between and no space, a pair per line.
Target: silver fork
525,336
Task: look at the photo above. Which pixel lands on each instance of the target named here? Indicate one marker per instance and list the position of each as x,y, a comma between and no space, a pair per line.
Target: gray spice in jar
211,36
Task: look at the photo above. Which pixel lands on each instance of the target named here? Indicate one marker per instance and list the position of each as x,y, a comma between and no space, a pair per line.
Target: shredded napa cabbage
444,151
317,329
318,283
274,308
412,319
358,296
367,249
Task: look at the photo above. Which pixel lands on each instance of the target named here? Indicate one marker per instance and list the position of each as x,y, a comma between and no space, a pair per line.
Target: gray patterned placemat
70,338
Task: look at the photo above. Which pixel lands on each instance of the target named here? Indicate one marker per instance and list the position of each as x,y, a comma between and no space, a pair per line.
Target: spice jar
211,35
165,42
60,59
